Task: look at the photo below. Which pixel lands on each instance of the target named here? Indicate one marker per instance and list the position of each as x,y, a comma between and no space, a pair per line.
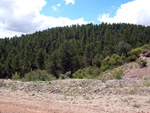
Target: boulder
147,54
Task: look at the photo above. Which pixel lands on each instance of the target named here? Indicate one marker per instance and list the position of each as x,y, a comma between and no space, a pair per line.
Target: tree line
67,49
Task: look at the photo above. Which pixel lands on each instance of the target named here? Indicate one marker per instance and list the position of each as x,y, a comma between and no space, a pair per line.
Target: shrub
136,105
135,52
38,75
111,62
142,63
117,73
146,46
132,58
14,88
105,64
66,75
89,73
115,60
16,76
78,74
92,72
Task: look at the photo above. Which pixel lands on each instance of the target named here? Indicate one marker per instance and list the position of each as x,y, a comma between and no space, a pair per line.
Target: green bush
133,54
118,73
115,60
87,73
111,62
136,51
78,74
142,63
39,75
67,75
16,76
132,58
140,50
146,47
105,64
92,72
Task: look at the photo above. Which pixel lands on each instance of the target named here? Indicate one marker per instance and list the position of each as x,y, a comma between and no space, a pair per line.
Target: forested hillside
67,49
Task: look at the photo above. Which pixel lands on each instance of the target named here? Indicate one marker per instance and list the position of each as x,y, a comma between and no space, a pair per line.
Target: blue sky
28,16
87,9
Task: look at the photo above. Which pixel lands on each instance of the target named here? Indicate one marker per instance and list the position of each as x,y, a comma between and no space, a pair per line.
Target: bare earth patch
75,96
134,71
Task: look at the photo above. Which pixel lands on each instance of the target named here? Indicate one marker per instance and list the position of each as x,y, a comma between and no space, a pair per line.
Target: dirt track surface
75,96
10,104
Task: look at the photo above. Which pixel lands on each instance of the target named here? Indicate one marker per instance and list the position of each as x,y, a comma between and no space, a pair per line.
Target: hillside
128,94
67,49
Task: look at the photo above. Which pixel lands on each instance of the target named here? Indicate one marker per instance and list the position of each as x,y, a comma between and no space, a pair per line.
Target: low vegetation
142,63
37,75
136,105
14,87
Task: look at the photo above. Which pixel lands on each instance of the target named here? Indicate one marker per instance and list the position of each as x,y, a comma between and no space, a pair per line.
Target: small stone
107,105
74,103
115,101
95,106
50,82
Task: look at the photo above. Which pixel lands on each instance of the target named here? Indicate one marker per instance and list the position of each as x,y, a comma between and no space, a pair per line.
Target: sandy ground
11,104
75,96
109,104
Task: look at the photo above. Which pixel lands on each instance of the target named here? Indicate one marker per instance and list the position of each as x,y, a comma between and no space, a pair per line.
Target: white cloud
52,22
113,7
23,16
7,33
70,1
58,5
135,12
54,8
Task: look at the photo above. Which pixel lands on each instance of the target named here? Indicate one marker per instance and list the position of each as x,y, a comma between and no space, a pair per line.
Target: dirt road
9,104
75,96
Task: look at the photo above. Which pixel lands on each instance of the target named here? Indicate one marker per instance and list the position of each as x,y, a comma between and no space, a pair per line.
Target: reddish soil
138,73
75,96
10,104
